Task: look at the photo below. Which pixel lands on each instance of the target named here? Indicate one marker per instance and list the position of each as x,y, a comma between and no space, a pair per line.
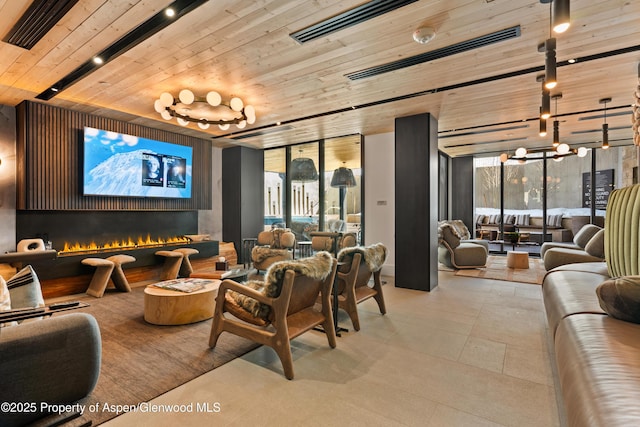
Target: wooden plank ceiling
486,100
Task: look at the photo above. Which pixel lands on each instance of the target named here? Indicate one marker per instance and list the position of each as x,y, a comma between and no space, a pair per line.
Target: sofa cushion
585,234
595,247
599,370
25,289
570,289
621,230
554,221
550,245
523,219
5,297
495,219
5,301
556,257
620,298
449,234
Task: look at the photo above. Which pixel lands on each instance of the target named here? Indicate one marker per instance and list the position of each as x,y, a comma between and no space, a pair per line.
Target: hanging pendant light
550,80
545,110
556,123
343,177
556,133
561,15
543,125
605,126
303,169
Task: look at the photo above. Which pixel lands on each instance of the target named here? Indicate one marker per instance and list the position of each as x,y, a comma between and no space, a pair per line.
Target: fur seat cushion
260,253
374,255
316,267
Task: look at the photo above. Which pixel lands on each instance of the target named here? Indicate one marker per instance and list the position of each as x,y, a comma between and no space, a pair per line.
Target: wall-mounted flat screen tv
117,164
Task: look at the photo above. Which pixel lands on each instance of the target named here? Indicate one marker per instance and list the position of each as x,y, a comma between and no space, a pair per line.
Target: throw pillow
509,219
450,235
461,229
479,219
523,219
494,219
25,289
554,220
5,297
5,301
620,298
595,247
585,234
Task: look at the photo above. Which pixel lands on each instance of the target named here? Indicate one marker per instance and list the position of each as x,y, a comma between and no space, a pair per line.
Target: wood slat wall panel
49,145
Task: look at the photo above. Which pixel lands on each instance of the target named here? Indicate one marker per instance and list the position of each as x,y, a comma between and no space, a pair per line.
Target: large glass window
304,205
343,179
319,190
518,189
275,167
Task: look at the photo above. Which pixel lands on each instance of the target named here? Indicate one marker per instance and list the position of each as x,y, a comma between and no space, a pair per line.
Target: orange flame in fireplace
128,243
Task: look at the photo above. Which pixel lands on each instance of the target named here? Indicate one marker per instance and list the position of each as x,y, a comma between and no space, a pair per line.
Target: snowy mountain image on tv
124,165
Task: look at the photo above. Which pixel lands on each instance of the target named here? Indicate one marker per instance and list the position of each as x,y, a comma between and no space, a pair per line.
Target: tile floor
473,352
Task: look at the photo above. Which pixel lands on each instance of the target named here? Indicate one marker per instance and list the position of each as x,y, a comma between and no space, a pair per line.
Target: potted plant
512,236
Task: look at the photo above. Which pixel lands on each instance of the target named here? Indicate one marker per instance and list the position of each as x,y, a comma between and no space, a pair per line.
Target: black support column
242,195
416,202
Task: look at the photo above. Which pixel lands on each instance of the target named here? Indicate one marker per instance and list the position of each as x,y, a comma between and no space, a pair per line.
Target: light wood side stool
185,267
171,266
101,276
517,259
117,275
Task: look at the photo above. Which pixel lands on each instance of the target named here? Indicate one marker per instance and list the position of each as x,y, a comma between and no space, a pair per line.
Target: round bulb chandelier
205,111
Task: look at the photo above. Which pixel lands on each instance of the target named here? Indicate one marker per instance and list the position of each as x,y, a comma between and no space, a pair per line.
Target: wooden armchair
272,246
353,278
280,308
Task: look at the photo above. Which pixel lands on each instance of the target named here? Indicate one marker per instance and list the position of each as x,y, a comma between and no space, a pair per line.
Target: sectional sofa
597,353
558,227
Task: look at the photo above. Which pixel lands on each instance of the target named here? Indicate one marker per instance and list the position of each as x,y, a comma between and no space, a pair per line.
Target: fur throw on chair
316,267
374,255
260,253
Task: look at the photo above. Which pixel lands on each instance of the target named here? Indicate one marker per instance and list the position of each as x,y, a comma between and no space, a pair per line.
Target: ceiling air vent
263,132
481,41
41,16
349,18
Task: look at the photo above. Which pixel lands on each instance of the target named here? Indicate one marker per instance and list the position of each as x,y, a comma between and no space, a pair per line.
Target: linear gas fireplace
126,244
76,235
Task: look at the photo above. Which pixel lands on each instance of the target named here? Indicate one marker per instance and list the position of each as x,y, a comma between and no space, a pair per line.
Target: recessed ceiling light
572,61
170,12
98,60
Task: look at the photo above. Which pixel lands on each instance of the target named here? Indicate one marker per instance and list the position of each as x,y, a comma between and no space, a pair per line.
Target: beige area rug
497,269
140,361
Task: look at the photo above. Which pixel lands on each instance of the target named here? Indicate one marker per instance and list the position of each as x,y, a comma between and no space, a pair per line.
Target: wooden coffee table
169,307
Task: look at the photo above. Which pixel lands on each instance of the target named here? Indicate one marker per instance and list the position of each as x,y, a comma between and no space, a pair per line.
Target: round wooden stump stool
517,259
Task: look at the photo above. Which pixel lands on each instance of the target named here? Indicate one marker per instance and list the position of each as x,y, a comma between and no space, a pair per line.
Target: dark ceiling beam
134,37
